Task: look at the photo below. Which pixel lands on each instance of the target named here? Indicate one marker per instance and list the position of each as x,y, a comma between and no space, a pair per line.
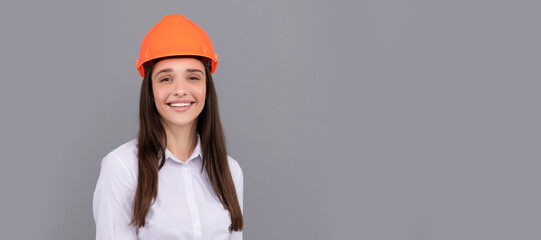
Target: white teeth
180,104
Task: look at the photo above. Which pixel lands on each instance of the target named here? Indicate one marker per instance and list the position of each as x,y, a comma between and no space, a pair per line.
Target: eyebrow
190,70
166,70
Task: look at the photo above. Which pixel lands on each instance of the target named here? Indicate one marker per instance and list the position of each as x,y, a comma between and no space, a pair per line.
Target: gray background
389,119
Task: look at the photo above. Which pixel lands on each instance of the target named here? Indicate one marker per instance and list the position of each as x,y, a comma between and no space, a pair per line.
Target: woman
175,180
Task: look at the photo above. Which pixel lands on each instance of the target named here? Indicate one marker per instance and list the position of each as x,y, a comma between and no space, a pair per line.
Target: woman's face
179,86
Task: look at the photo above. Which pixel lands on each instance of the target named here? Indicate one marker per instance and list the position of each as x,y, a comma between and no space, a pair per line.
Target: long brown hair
151,152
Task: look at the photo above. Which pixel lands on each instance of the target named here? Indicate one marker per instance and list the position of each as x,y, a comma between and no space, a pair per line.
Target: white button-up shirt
186,206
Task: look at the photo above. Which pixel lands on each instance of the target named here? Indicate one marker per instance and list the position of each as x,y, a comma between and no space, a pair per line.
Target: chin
182,124
177,122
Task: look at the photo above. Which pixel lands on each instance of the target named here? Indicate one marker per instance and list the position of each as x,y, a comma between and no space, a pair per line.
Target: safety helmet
175,35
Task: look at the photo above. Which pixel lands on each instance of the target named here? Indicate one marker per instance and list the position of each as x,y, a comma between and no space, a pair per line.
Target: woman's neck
181,140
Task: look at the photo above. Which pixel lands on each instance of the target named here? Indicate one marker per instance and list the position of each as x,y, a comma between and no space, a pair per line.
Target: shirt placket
192,204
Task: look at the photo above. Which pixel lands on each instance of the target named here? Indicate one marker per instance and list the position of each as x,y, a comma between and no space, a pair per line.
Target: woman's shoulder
236,170
126,150
122,158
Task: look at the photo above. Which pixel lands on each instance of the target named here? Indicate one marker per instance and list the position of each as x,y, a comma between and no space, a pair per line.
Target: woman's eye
194,78
164,79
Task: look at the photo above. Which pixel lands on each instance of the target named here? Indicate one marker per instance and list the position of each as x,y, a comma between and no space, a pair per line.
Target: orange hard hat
175,35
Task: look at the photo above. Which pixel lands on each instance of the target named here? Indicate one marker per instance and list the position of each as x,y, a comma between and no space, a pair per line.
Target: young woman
175,180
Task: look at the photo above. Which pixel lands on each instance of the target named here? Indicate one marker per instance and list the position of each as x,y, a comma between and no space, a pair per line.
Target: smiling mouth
180,107
179,104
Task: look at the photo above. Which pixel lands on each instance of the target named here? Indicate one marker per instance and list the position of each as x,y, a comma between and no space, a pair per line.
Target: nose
179,88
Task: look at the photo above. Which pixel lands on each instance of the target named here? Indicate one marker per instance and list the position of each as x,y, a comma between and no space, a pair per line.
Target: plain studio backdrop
389,119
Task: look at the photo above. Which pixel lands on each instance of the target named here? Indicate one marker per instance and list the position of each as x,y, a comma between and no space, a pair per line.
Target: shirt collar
196,152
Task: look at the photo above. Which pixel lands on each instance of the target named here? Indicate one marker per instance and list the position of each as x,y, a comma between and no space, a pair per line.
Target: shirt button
185,169
196,223
191,197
